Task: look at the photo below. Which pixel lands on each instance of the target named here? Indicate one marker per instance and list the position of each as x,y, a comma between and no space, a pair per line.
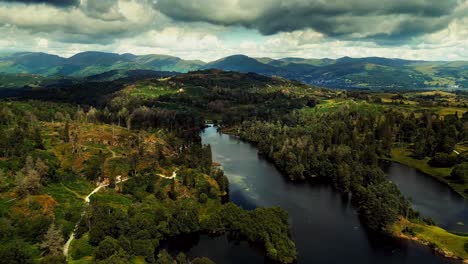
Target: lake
430,197
324,224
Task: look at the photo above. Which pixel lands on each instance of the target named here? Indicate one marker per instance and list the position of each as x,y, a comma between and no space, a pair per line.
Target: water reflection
430,197
324,224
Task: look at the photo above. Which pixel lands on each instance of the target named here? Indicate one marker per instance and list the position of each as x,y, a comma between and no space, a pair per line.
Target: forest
58,143
54,154
345,147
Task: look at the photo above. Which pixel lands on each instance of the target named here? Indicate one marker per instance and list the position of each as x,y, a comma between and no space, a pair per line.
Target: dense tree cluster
161,133
432,134
44,152
139,231
343,147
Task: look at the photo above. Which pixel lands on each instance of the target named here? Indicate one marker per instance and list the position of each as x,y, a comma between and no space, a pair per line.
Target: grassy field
449,244
148,91
70,201
403,155
331,105
112,198
408,106
440,102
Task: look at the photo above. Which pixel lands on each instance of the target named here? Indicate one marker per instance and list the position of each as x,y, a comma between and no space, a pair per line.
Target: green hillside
371,73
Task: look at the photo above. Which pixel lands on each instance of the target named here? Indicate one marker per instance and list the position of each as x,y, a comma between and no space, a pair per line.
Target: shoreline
445,253
397,231
443,242
439,178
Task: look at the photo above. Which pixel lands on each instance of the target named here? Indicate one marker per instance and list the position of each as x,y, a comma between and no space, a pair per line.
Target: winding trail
66,247
172,177
114,155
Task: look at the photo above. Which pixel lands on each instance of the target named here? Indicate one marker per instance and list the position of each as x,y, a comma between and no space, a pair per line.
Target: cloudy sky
210,29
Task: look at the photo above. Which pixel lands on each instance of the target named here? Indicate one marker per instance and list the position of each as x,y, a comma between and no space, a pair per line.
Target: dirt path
172,177
114,155
72,191
66,247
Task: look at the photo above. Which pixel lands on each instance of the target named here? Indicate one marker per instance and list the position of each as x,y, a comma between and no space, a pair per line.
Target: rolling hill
90,63
371,73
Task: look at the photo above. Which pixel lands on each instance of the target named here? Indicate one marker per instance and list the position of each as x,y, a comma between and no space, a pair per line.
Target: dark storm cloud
393,20
101,9
59,3
90,21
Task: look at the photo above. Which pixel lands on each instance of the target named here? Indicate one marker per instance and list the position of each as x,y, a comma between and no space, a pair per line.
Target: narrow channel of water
324,224
430,197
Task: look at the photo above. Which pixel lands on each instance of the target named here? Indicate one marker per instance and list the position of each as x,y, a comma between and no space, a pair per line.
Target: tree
91,115
28,165
121,257
53,240
27,183
41,168
75,141
460,173
181,258
164,258
93,167
108,247
59,116
15,252
203,198
38,138
144,247
122,114
172,192
3,181
66,132
380,206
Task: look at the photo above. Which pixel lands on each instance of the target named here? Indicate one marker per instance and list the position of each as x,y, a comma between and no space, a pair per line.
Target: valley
233,131
319,171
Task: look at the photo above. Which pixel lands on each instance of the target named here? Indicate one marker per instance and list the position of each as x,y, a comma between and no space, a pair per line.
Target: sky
211,29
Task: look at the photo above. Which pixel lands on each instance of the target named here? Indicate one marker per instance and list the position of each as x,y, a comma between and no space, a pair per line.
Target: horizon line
238,54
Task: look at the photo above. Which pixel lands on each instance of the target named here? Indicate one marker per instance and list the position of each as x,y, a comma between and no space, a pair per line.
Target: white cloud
77,25
134,26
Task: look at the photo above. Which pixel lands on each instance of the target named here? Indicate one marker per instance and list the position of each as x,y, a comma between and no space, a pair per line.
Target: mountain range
25,68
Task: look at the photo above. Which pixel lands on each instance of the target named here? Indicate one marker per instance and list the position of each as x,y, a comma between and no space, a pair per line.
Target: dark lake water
430,197
324,225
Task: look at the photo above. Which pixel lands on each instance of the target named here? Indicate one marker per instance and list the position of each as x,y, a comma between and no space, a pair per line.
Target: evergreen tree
53,240
66,132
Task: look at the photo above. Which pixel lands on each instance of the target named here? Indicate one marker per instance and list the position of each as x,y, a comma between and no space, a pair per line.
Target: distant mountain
168,63
99,58
90,63
346,72
241,63
29,62
363,73
314,62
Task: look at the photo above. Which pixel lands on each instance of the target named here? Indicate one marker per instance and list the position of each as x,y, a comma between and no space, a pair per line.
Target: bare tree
53,240
28,183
